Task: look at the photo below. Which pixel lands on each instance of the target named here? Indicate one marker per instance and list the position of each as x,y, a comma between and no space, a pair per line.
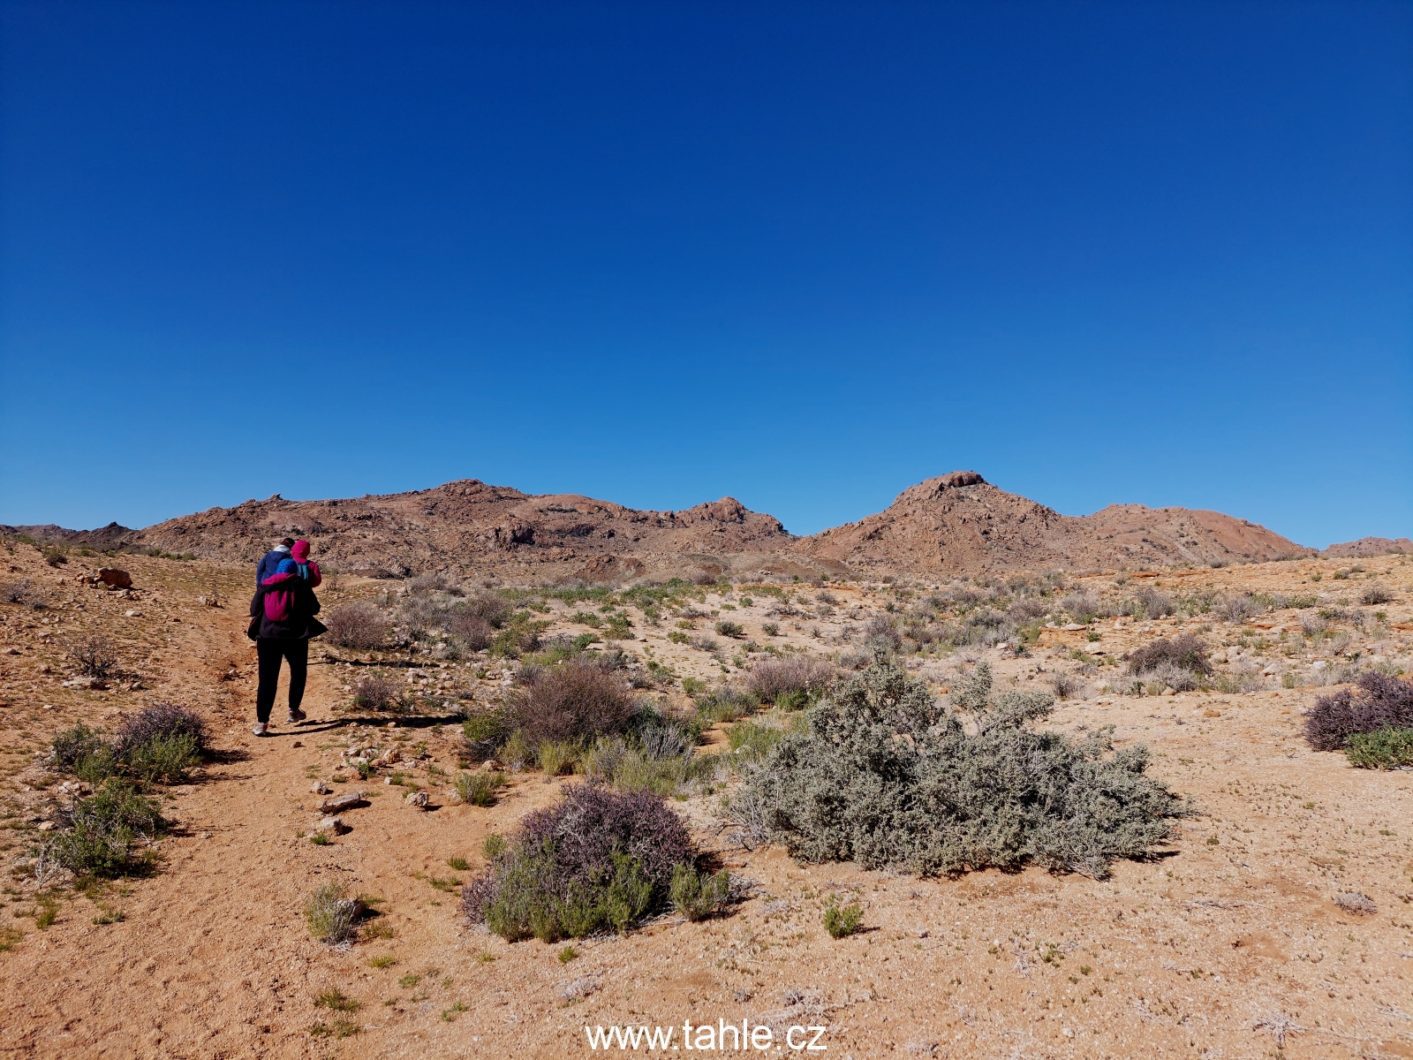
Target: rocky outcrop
960,523
1370,546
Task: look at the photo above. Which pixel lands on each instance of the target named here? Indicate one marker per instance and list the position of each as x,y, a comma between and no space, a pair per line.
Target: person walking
281,622
271,560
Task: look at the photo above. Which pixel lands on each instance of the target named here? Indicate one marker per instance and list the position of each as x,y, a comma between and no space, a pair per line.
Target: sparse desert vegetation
984,771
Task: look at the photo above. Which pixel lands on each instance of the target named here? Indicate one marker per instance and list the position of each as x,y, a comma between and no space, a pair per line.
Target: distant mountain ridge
956,523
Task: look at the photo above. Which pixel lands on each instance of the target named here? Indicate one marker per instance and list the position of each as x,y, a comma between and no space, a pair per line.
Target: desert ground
1278,921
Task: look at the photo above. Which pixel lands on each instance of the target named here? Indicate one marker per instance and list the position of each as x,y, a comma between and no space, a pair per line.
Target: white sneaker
260,729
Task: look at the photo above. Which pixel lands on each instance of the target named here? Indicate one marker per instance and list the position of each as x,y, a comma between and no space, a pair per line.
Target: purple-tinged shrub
162,721
597,860
1376,701
575,701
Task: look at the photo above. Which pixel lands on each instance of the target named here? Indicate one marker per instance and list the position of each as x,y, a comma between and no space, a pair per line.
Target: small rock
47,826
418,799
132,612
320,788
332,826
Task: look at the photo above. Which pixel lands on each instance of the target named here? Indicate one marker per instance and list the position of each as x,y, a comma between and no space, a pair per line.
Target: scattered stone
332,826
132,612
418,799
87,683
351,801
320,788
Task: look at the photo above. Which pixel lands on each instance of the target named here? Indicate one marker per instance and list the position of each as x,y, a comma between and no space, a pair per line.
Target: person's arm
315,578
255,603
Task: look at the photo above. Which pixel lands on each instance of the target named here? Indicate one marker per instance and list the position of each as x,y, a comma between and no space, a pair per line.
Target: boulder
331,825
113,578
418,799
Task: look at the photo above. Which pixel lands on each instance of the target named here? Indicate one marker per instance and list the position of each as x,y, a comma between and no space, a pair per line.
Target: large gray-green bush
888,776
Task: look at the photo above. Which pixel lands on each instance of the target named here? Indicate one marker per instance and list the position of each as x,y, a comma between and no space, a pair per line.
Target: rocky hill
470,528
959,523
955,523
1371,546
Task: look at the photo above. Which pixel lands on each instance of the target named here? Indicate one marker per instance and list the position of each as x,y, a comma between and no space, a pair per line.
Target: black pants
271,651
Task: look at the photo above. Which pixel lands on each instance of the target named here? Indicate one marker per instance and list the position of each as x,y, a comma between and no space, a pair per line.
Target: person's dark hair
288,542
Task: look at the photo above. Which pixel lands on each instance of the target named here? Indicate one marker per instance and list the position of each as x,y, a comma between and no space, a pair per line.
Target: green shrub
698,895
84,753
886,776
158,722
725,704
595,861
750,739
730,629
485,733
332,916
790,683
516,752
556,757
842,921
519,635
105,834
479,788
629,765
161,759
1387,748
159,745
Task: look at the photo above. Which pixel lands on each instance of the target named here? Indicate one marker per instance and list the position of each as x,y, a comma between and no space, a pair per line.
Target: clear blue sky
805,254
